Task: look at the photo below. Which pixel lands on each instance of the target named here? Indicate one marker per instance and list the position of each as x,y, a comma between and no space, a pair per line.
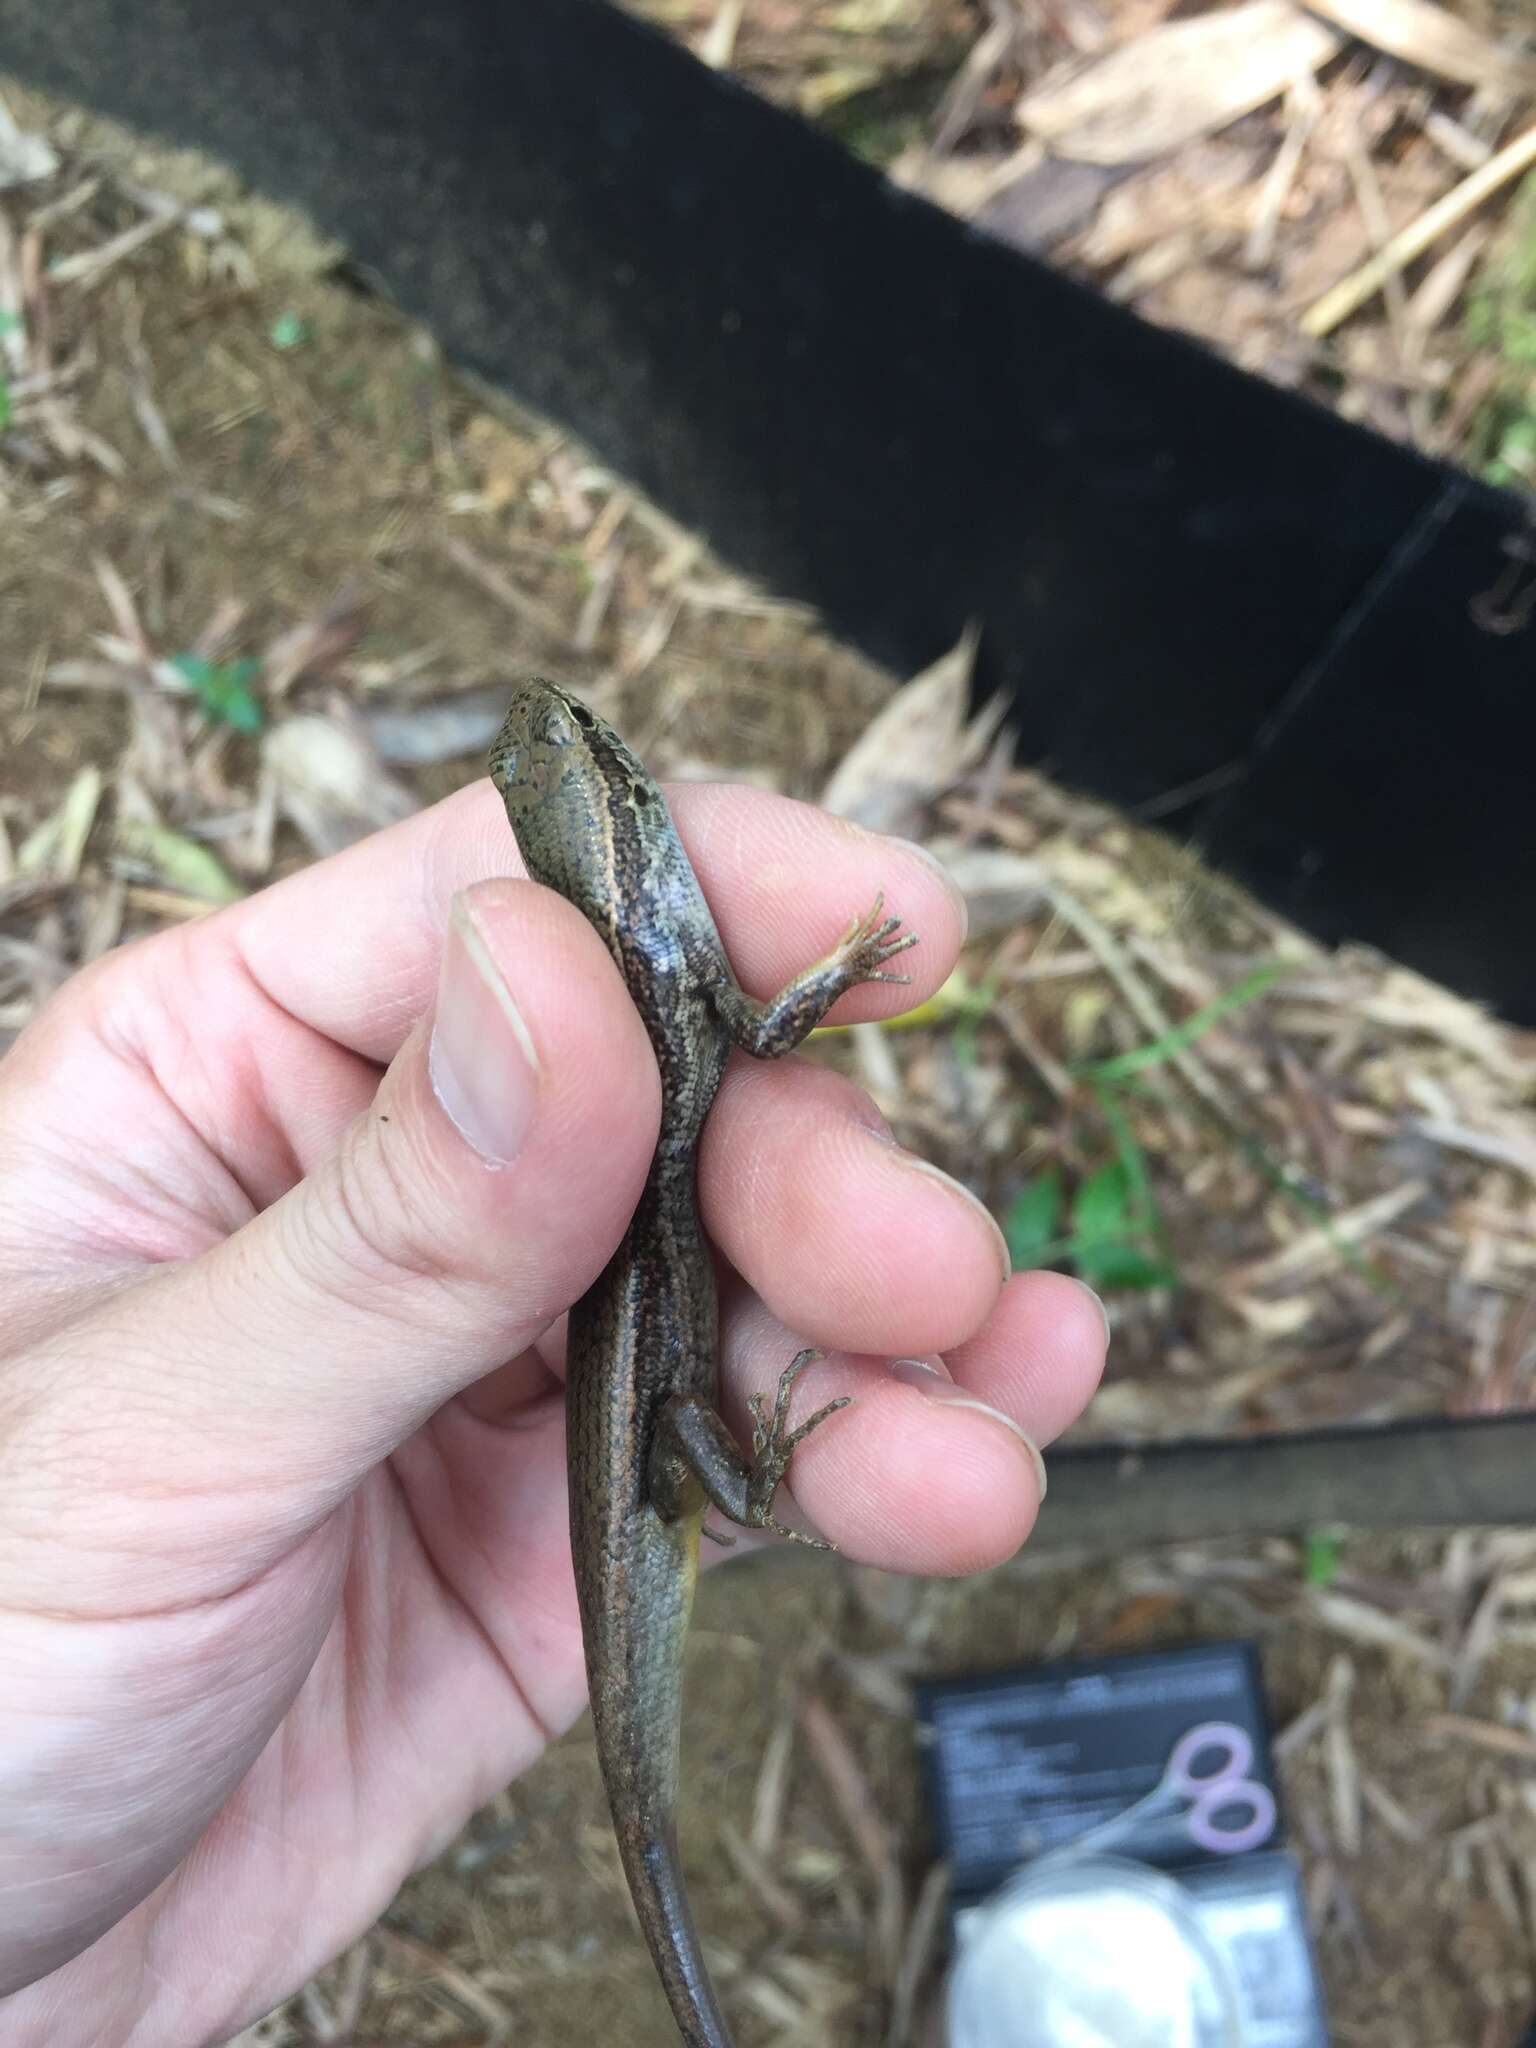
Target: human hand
282,1489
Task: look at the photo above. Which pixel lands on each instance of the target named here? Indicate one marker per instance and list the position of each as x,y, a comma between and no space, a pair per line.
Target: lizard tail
634,1644
655,1874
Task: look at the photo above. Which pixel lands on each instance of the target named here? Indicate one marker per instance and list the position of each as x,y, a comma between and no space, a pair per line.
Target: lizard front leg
770,1029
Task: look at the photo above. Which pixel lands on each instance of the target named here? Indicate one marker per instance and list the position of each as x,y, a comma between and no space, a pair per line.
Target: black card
1024,1761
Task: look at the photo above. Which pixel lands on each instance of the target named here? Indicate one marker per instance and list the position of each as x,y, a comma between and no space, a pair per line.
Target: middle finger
844,1234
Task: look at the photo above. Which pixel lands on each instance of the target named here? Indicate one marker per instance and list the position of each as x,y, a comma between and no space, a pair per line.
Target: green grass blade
1166,1047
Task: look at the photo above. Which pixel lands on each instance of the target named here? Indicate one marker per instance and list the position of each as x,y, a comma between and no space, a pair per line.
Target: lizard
647,1449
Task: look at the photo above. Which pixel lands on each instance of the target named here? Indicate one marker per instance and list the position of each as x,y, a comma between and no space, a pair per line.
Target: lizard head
564,774
545,735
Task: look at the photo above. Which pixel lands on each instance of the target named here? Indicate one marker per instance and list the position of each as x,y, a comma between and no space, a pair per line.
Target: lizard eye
556,724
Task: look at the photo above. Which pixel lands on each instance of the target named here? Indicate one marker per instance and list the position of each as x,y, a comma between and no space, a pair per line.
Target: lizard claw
773,1442
798,1536
870,941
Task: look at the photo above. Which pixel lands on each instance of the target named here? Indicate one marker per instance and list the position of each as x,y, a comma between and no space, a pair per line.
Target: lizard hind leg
773,1443
693,1448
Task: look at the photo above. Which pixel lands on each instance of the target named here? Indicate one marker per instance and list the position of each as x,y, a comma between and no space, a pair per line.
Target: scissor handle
1232,1745
1226,1837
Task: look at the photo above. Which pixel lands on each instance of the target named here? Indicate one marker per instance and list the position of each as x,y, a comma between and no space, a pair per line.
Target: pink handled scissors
1217,1793
1219,1807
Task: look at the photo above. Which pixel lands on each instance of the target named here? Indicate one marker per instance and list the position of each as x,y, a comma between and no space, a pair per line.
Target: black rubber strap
1211,602
1428,1473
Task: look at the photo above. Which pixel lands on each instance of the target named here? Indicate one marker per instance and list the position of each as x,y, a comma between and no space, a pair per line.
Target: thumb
234,1400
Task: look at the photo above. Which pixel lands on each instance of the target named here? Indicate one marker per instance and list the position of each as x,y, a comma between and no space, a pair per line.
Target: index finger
351,946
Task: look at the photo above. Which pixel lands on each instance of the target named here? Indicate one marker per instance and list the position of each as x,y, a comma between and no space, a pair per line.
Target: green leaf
10,323
1033,1218
1122,1265
1101,1206
1321,1559
1112,1222
289,331
5,405
223,689
186,864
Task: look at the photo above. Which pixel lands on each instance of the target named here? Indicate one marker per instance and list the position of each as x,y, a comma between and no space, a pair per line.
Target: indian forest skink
648,1450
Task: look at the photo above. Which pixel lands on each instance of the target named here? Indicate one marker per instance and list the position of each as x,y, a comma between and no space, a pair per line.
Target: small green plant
10,323
1179,1037
289,331
1110,1231
1514,462
1501,323
1323,1555
223,688
972,1004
